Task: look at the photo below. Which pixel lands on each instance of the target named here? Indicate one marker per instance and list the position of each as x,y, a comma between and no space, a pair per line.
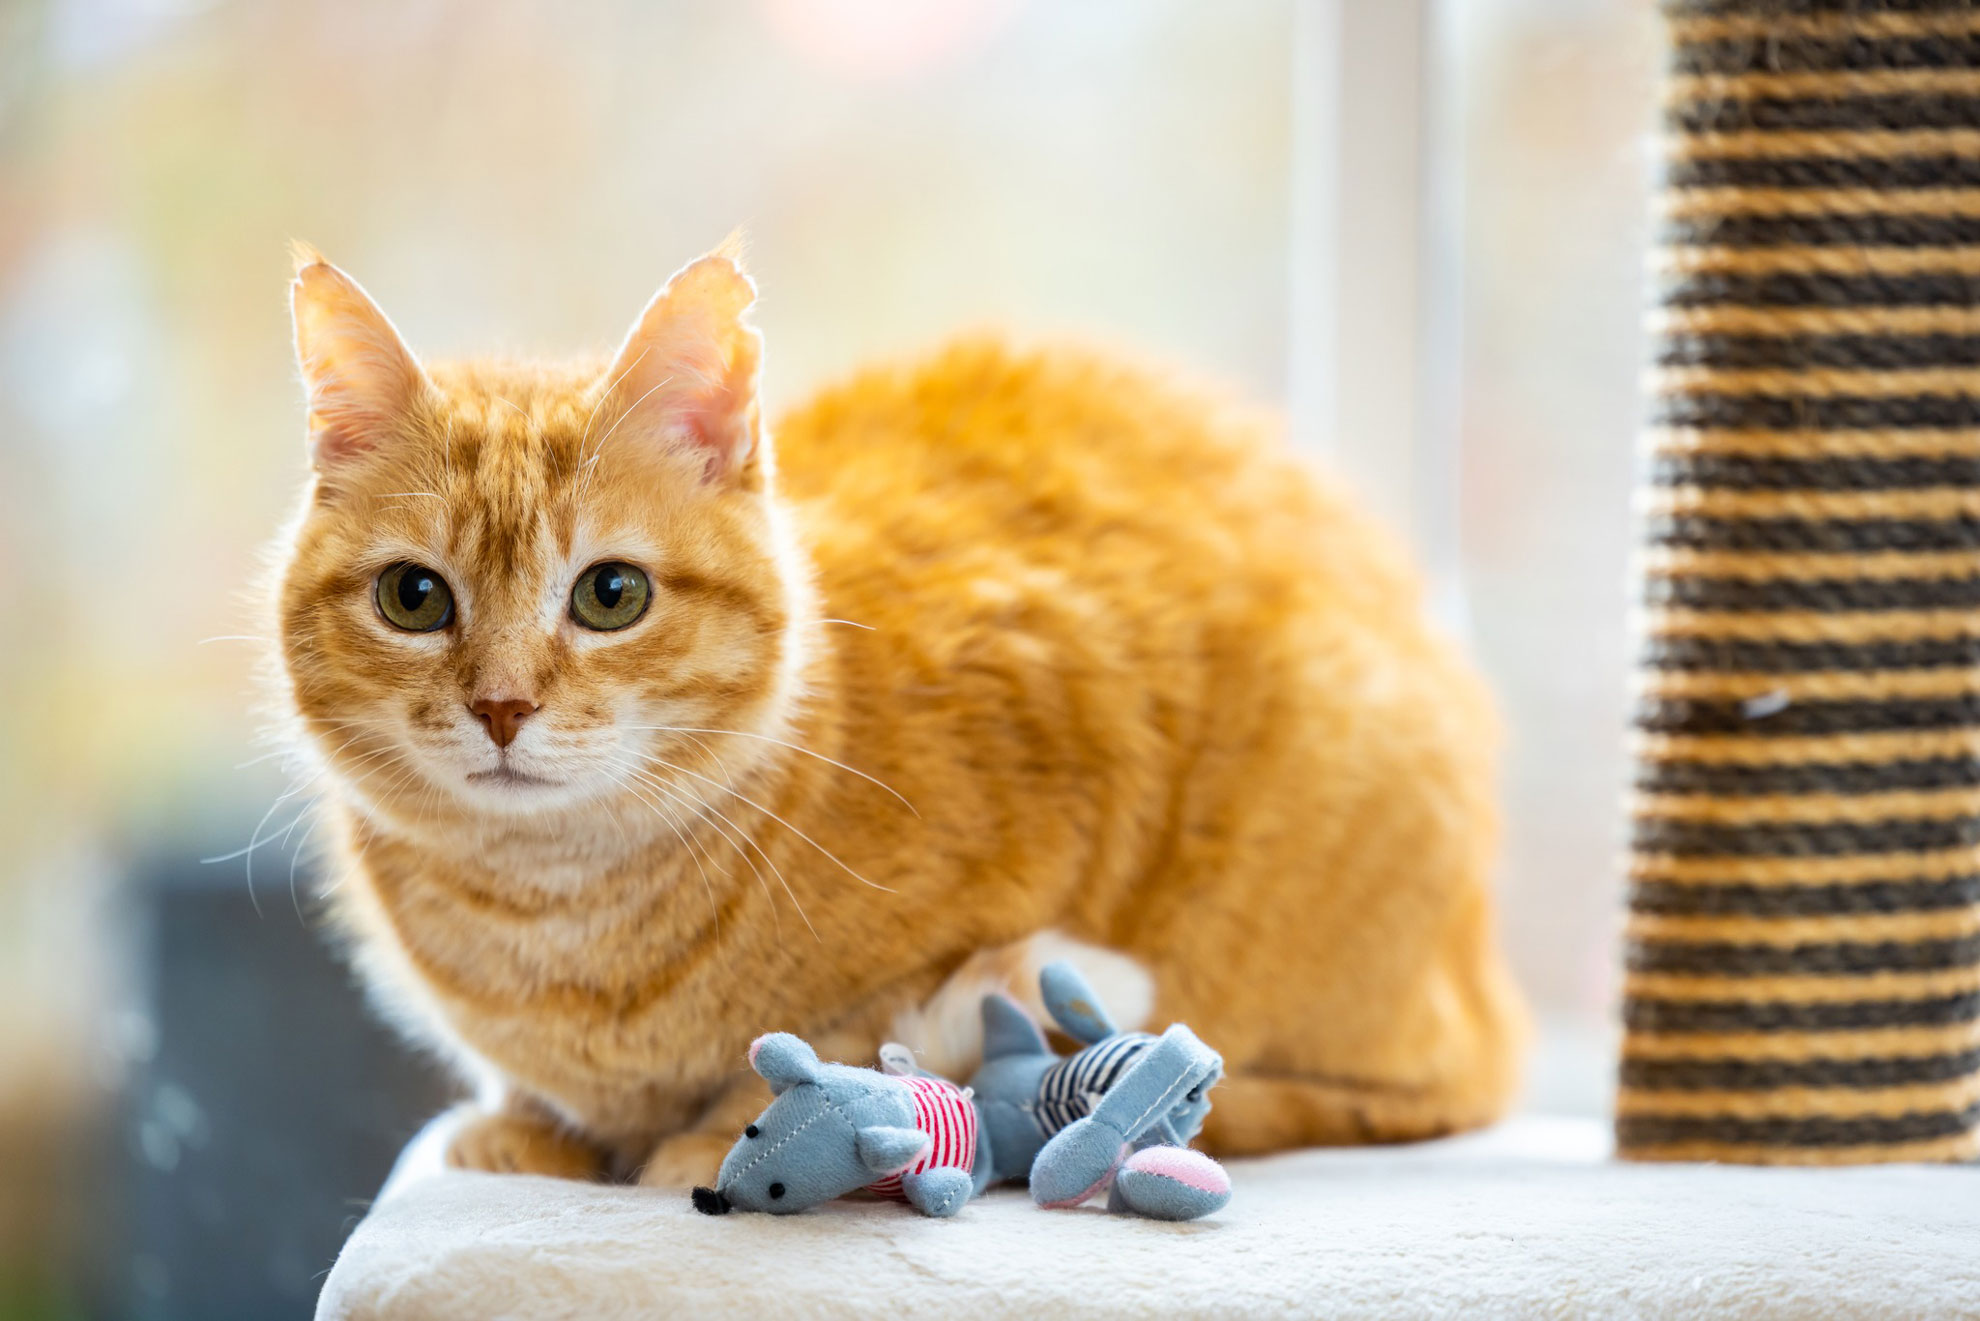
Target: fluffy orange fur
997,643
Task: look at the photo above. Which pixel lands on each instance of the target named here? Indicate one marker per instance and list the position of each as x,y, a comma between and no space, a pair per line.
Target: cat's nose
502,716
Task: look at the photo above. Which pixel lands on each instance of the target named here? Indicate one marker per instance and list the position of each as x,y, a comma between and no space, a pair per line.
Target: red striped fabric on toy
942,1111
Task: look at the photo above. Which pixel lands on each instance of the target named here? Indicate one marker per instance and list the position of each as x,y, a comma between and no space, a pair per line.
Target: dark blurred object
266,1119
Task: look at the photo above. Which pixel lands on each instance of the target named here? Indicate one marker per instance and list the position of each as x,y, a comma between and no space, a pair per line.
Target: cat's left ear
686,376
361,379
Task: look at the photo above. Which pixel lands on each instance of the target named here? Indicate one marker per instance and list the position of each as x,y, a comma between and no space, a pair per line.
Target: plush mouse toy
1118,1112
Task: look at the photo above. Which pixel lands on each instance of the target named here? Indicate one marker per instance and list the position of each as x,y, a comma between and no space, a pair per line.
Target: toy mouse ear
783,1060
1072,1003
887,1150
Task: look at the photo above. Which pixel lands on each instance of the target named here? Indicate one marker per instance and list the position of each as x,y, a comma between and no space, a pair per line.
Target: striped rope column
1803,977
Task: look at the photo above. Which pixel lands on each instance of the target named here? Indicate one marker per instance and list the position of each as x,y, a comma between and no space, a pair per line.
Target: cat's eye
610,596
414,598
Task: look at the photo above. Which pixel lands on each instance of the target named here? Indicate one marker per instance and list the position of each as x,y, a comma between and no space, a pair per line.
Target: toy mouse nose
710,1203
502,716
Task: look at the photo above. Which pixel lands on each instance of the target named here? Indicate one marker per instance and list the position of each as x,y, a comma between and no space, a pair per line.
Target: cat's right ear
359,376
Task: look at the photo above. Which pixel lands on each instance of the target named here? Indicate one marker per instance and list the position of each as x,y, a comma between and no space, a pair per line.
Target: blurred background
1415,226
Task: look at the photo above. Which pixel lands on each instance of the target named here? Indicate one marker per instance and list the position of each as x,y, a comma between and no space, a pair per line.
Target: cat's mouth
506,774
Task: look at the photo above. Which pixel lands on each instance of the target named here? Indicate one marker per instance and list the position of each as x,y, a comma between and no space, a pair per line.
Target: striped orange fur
986,645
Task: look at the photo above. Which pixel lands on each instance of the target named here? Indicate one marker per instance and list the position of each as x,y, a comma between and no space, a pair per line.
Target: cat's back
988,455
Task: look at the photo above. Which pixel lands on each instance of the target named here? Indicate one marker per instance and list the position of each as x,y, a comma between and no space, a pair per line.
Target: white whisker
704,810
835,858
707,887
782,743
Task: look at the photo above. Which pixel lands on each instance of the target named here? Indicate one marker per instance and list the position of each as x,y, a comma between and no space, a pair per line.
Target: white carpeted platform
1528,1220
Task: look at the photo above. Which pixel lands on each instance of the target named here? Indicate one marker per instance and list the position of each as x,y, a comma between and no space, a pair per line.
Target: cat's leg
521,1136
691,1157
1324,917
1253,1114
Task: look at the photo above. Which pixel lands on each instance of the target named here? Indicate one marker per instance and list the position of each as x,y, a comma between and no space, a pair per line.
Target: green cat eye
610,596
414,598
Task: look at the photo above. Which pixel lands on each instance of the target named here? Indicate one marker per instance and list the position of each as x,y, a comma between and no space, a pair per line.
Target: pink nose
502,716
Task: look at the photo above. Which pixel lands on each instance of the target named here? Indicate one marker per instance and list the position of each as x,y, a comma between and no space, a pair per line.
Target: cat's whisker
835,858
782,743
712,814
232,637
707,887
606,393
739,842
714,757
853,623
621,420
294,855
586,465
255,841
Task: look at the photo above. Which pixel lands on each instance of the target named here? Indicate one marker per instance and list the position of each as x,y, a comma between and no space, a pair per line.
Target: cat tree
1803,977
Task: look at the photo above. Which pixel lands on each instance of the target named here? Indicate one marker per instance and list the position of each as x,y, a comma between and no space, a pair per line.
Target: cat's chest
600,1007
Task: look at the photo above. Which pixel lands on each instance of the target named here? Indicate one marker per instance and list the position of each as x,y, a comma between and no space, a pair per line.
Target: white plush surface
1528,1220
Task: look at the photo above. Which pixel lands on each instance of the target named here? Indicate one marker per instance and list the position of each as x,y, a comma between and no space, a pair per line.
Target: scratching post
1803,977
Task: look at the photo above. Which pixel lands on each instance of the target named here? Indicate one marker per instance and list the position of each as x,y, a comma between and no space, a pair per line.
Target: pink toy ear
783,1061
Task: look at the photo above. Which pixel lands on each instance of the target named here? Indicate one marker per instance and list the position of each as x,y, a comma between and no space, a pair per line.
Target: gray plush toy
1118,1112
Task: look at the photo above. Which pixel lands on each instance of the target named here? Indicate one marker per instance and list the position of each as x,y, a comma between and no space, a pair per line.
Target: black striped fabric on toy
1071,1087
1803,979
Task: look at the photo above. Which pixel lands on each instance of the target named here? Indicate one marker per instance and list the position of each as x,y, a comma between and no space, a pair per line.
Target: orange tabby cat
650,730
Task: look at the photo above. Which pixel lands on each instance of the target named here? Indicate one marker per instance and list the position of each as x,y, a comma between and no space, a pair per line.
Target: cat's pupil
414,588
609,586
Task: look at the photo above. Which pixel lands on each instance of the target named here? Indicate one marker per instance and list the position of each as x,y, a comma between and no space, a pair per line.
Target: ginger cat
650,729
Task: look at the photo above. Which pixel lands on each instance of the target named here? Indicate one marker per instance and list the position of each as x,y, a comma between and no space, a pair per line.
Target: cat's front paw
685,1160
512,1144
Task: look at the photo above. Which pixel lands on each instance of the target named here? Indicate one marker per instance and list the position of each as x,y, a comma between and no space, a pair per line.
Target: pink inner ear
755,1046
338,442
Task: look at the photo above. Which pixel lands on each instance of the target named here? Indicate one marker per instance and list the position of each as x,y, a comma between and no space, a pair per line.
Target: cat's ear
686,376
359,375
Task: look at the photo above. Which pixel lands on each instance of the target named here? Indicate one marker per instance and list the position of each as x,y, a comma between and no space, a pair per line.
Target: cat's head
515,589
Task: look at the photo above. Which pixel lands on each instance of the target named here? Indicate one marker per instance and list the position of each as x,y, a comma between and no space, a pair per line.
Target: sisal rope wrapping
1803,981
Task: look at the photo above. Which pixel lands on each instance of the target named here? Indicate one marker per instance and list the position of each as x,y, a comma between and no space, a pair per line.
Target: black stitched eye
1195,1094
752,1131
776,1191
